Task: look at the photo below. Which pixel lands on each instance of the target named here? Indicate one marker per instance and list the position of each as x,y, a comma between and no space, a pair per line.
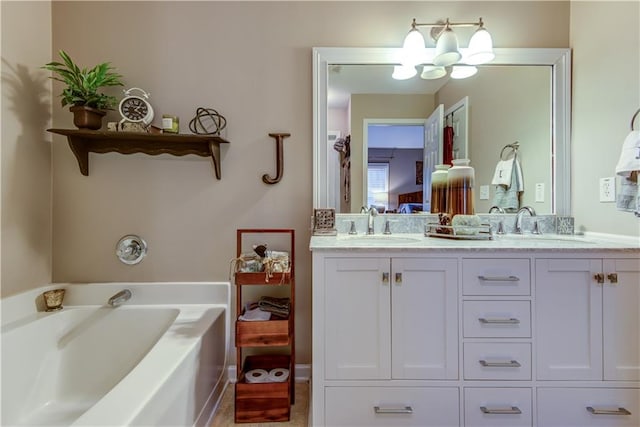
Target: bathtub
158,359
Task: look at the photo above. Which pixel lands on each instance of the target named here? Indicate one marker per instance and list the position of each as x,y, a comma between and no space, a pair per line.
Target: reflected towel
627,169
508,197
503,173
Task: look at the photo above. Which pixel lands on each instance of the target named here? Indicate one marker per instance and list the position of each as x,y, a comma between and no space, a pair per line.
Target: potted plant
87,104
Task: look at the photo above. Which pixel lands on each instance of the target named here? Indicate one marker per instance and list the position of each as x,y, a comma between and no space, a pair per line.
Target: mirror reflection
503,105
498,117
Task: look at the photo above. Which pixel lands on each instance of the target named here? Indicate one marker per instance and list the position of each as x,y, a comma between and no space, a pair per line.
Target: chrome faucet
519,215
371,212
119,298
498,208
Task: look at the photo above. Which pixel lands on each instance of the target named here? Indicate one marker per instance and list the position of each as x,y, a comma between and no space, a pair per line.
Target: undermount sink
569,239
376,239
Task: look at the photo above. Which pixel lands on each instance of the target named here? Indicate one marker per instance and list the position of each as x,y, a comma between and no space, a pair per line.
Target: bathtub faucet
120,297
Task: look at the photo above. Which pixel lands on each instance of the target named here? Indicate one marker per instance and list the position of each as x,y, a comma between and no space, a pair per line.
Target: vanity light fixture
447,51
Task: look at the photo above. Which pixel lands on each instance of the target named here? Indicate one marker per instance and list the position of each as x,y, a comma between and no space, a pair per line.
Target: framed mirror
549,193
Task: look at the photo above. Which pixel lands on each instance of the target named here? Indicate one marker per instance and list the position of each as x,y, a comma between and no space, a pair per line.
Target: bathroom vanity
517,331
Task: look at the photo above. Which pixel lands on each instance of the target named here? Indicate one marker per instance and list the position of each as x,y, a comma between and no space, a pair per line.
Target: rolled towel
466,224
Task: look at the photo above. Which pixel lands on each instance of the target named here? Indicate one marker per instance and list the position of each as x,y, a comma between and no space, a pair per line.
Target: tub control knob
131,249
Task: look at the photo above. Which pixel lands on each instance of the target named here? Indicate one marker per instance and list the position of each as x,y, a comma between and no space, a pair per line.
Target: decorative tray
459,232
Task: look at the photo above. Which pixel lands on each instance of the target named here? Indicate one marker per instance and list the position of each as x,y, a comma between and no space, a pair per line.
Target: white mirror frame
558,58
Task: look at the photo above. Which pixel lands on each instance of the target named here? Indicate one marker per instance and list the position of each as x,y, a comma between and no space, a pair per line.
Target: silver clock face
134,109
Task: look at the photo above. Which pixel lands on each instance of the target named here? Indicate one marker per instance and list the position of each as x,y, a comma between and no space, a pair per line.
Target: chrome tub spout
119,298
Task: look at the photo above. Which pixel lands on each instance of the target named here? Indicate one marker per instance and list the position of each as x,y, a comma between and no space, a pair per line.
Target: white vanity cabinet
588,329
588,321
476,337
386,318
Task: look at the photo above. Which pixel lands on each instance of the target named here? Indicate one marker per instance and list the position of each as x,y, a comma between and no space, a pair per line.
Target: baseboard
302,373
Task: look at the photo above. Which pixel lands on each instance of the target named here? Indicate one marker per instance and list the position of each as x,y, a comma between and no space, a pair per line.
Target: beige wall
26,147
606,93
252,62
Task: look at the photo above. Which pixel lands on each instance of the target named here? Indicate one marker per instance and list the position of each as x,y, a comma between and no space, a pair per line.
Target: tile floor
299,411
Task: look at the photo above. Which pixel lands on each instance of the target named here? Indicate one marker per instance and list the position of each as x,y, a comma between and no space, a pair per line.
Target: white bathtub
158,359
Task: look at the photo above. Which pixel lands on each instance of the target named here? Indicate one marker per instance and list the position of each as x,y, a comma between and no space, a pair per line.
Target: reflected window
378,186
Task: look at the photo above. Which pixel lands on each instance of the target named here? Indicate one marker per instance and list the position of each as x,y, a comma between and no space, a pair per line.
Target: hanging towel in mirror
508,197
628,169
503,173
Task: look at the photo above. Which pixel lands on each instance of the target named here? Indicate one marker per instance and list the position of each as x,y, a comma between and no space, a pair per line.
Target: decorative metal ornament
207,122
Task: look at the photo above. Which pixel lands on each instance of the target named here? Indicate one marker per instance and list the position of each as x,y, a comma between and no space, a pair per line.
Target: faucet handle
536,228
501,228
352,229
387,227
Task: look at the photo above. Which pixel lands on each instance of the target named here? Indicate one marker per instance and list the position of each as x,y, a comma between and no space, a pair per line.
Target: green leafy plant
83,84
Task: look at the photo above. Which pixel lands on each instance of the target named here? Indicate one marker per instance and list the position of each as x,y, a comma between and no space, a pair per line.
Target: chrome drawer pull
501,411
404,410
505,321
619,411
509,364
385,277
499,278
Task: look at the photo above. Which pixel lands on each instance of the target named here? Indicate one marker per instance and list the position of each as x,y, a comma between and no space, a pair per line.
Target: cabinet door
425,318
621,319
357,318
568,319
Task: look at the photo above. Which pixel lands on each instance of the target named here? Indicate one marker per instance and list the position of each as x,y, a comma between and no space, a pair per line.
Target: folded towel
280,306
253,313
630,156
503,173
628,169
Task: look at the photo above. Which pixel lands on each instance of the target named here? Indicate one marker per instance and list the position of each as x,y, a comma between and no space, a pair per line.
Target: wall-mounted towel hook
633,119
279,137
513,147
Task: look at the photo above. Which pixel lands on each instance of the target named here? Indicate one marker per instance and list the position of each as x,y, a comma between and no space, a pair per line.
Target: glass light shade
447,52
412,48
402,72
462,71
430,72
480,48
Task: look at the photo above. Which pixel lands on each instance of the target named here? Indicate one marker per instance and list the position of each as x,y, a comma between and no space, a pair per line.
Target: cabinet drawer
568,407
392,406
495,407
497,361
497,319
495,276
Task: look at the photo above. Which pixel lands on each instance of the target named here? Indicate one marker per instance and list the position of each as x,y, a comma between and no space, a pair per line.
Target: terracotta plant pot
87,117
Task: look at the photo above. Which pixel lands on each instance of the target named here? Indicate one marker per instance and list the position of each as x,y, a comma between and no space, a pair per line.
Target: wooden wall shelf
83,142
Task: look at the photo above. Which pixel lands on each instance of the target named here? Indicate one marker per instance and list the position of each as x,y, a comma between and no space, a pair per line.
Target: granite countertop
510,242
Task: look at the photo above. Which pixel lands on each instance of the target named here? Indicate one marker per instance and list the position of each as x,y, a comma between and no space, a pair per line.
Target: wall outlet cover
608,189
540,192
484,192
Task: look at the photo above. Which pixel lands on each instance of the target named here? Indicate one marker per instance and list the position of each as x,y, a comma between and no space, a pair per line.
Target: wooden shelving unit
83,142
268,401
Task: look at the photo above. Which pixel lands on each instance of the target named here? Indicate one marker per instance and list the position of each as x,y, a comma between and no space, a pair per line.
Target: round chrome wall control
131,249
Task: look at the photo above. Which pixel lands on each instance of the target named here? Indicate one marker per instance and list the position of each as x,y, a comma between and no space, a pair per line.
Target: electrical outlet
484,192
608,189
